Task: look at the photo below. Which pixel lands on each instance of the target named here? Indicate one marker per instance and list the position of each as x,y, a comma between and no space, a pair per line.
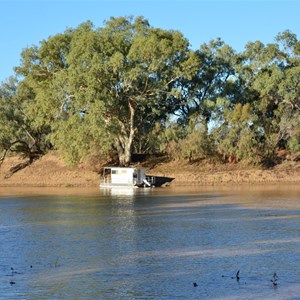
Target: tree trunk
125,140
124,146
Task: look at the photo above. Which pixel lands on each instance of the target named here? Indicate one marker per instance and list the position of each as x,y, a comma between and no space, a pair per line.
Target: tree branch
3,157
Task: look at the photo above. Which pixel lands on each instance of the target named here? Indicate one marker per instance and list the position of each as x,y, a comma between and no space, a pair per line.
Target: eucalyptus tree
9,130
289,91
124,77
28,105
202,98
39,71
216,77
105,88
237,135
272,72
18,130
115,87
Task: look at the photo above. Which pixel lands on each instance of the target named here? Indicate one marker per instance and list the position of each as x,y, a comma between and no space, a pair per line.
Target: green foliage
197,145
77,138
18,131
127,70
216,77
238,135
272,72
190,142
129,87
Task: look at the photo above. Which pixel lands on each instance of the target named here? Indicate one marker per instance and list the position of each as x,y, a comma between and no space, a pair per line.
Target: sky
26,23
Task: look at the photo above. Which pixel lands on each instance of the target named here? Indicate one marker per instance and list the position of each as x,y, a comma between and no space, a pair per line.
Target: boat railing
105,179
151,179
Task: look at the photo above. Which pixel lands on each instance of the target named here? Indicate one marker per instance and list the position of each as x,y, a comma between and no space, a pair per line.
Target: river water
150,244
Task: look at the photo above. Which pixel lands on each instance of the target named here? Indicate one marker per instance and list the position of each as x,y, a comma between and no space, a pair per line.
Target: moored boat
126,177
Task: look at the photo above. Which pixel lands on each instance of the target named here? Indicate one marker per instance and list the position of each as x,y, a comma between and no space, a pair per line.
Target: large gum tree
125,77
100,88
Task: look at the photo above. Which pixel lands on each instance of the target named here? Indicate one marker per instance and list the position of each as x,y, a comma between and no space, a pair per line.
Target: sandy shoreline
50,171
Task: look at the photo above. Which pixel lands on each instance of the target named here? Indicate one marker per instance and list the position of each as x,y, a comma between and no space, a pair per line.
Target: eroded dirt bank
51,171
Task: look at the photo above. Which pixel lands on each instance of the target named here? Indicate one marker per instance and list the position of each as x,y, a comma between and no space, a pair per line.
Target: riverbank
51,171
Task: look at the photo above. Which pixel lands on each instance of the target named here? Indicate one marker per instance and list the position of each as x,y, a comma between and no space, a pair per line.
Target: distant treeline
128,87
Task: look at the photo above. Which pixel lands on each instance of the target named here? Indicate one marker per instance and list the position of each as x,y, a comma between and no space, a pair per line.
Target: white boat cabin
121,176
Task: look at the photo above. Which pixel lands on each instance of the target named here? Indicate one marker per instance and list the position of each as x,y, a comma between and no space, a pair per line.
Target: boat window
114,171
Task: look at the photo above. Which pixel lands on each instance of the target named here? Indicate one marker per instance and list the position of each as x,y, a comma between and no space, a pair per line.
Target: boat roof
124,168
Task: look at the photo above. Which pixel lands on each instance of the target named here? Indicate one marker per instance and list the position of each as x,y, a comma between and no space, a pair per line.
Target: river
150,243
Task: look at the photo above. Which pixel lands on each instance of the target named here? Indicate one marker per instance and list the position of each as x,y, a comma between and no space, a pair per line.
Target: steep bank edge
51,171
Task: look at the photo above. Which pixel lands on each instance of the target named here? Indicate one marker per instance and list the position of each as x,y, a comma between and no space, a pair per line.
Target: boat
132,177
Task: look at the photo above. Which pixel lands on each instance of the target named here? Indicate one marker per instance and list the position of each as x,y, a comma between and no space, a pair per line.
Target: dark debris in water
13,273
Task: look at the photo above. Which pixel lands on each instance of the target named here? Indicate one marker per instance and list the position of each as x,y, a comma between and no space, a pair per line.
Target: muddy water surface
150,244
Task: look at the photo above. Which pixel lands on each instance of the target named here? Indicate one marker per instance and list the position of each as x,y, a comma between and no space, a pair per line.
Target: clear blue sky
25,23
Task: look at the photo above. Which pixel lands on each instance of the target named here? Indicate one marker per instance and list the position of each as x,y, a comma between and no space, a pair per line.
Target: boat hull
117,185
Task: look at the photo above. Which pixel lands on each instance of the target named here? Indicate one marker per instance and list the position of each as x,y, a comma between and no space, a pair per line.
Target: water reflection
151,244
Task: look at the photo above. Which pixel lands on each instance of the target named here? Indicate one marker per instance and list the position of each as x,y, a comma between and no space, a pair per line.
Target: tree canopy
129,87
